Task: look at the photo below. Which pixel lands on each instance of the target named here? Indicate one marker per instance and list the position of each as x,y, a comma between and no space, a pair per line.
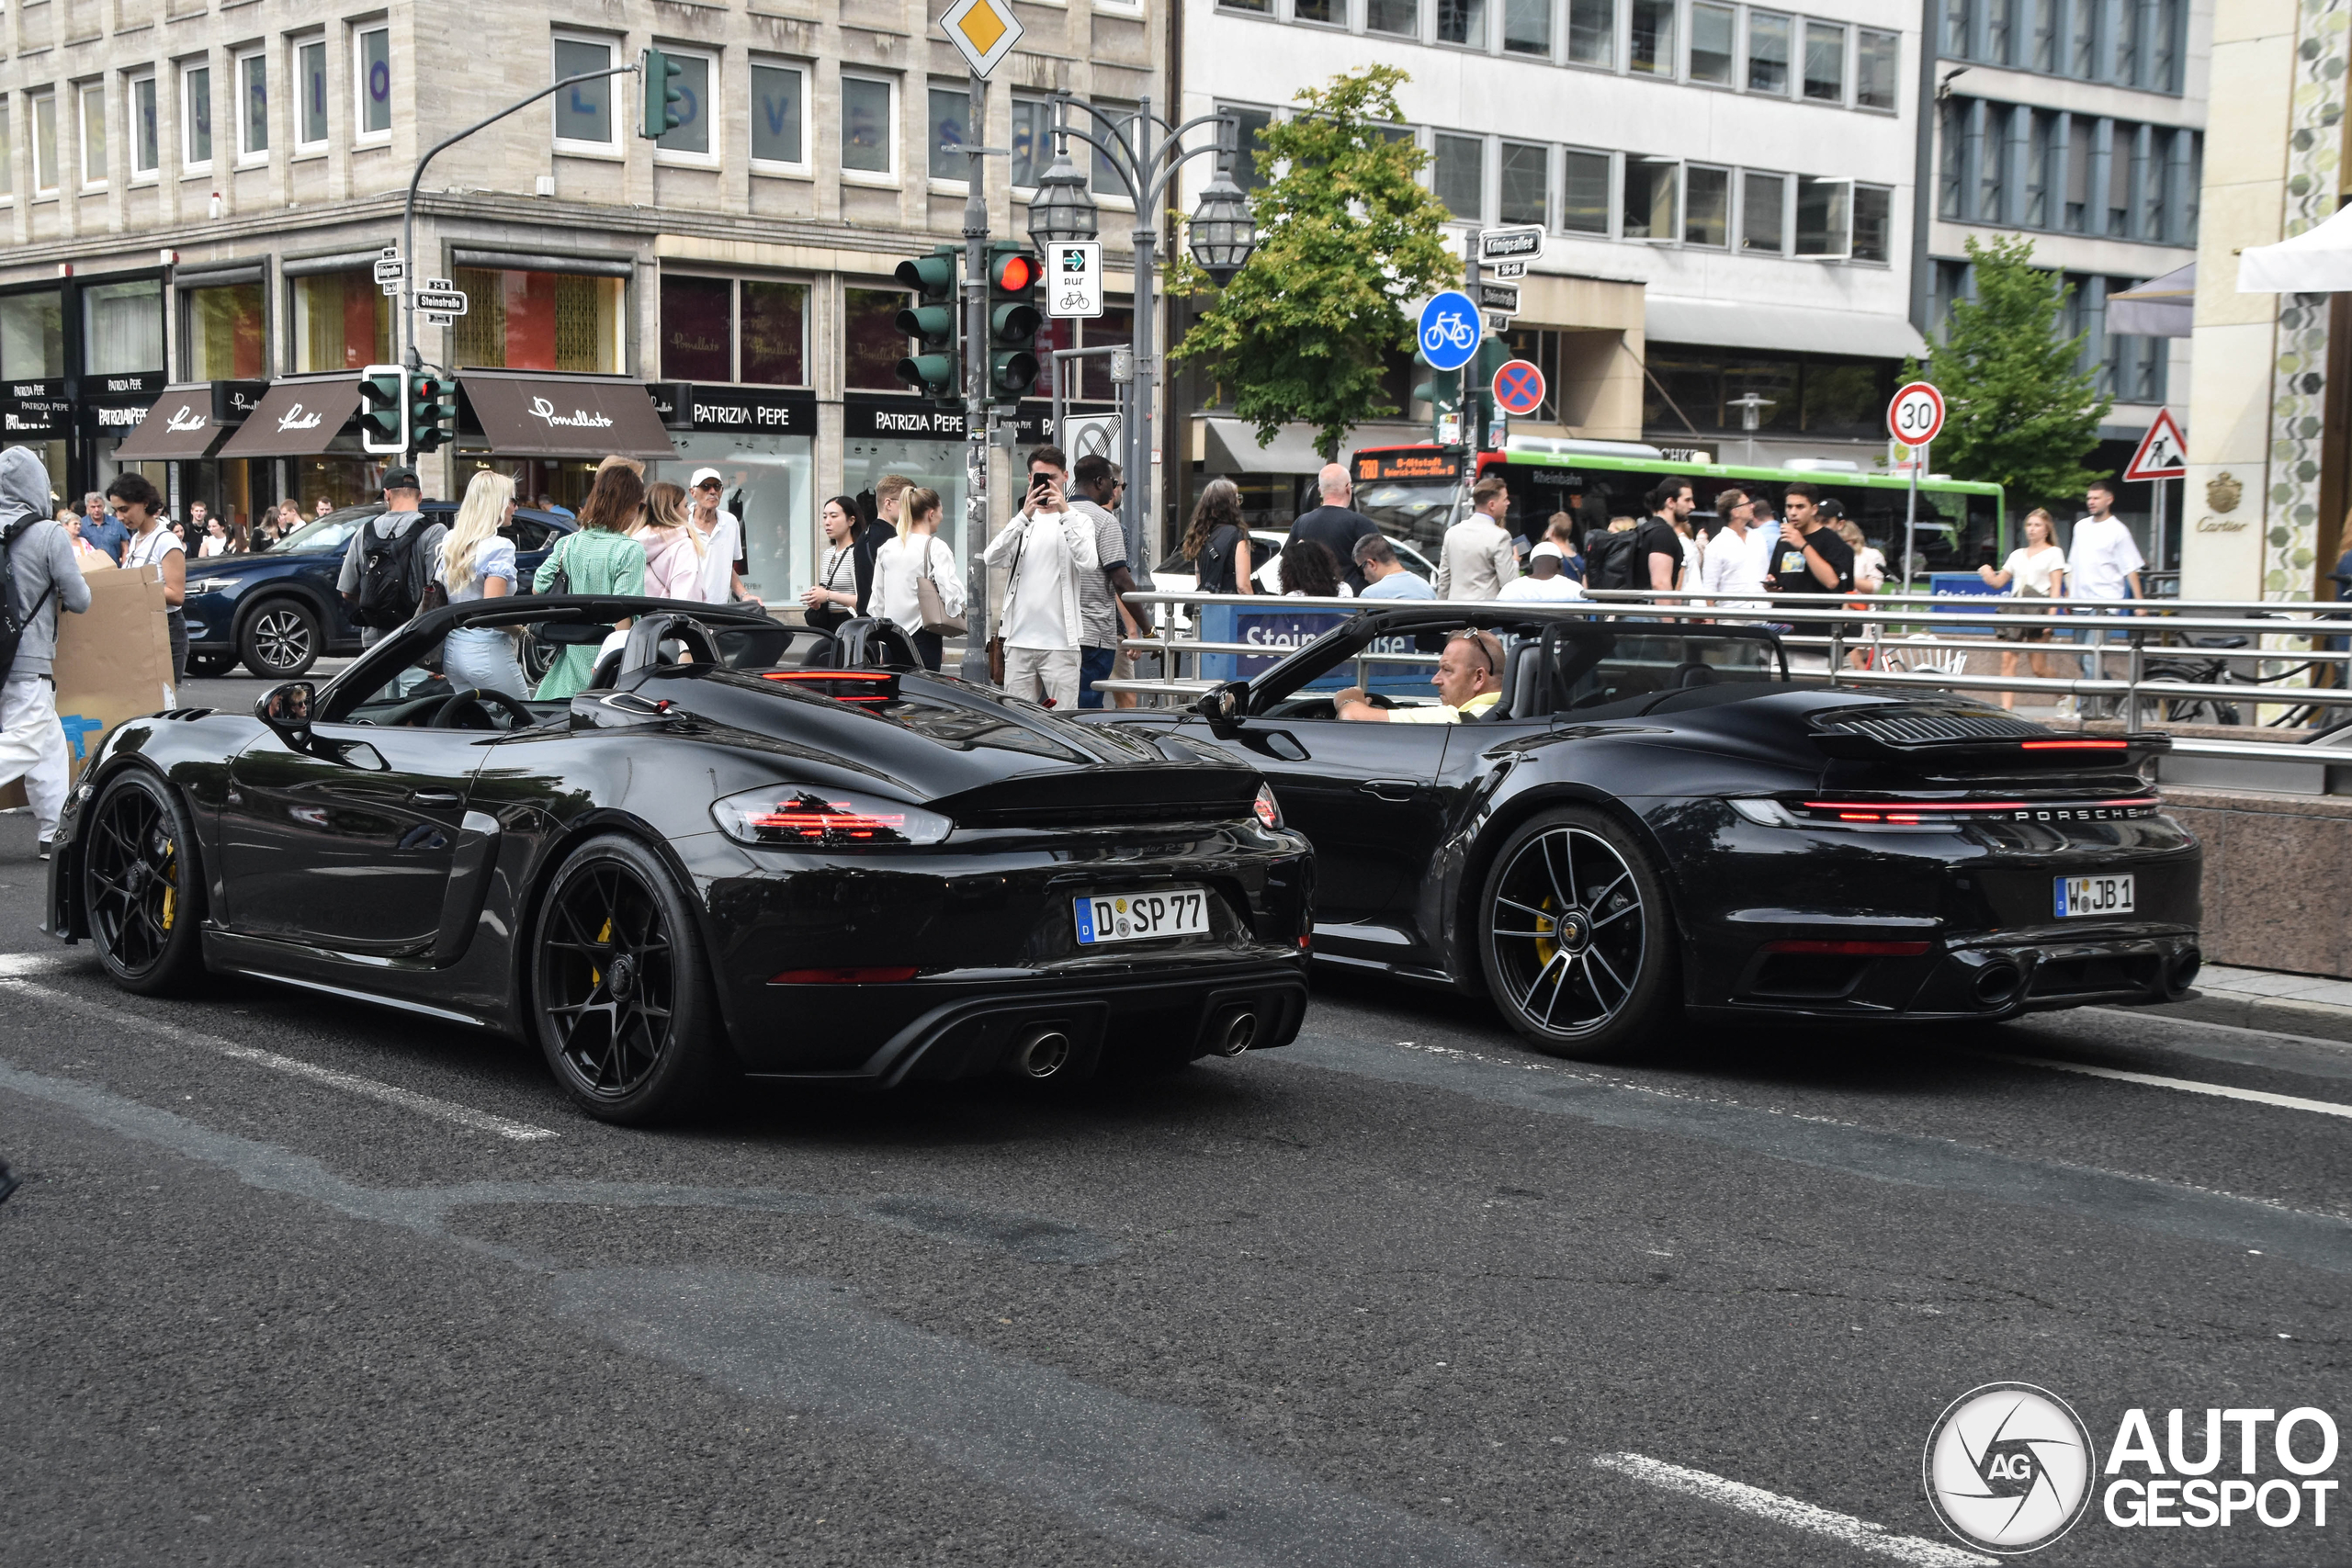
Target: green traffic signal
665,95
1014,321
383,410
936,369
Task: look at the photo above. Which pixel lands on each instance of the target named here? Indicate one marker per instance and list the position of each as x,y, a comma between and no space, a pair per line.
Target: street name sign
390,269
1499,297
1916,414
1519,387
1515,244
983,32
1505,269
1074,279
446,302
2163,454
1449,331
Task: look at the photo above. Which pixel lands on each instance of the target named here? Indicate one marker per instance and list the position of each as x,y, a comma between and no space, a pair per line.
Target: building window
1958,34
583,111
697,329
2037,171
1584,192
1252,165
310,85
2163,62
689,141
253,107
1825,63
122,327
1592,32
32,336
1873,222
94,135
2082,45
1458,174
1526,183
1325,11
225,330
1987,132
1763,217
196,118
2127,44
1653,198
342,321
1824,218
7,149
779,100
1399,19
371,73
1033,142
868,143
950,112
1113,123
1997,31
540,321
1713,29
1463,22
1650,38
772,332
1767,53
44,110
871,342
1527,28
1259,8
146,135
1877,64
1706,207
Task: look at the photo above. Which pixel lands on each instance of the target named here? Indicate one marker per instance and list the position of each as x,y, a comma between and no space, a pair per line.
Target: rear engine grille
1928,726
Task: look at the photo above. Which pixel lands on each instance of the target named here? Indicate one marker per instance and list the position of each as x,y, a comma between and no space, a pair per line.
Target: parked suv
276,610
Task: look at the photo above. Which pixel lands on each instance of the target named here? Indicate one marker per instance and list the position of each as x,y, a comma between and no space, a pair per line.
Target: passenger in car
1468,682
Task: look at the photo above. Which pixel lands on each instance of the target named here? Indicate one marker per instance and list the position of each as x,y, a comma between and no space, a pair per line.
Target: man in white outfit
1728,570
1045,547
2103,563
41,576
722,533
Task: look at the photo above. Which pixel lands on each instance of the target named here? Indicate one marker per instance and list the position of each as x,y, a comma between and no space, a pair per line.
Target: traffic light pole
976,357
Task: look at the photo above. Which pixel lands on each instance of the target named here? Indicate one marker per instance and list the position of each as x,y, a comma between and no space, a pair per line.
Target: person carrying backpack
389,567
41,575
1608,554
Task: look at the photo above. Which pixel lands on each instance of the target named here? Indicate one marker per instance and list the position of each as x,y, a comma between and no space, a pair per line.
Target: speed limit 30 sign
1915,415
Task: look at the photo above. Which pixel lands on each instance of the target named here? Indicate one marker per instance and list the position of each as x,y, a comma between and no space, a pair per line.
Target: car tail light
1269,809
794,816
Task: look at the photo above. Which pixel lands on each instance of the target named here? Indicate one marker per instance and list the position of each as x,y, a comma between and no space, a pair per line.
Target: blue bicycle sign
1450,329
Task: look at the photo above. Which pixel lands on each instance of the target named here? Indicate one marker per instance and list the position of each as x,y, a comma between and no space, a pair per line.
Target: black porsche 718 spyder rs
705,859
1658,816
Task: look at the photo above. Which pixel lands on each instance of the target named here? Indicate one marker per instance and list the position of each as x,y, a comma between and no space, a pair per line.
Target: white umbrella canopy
2317,261
2162,307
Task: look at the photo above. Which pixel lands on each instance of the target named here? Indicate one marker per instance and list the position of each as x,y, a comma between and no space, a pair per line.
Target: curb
2277,1015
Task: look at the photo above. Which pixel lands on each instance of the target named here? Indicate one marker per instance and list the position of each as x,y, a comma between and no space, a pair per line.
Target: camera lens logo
2009,1468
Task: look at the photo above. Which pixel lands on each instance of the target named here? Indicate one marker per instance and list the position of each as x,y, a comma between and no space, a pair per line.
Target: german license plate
1138,917
2094,895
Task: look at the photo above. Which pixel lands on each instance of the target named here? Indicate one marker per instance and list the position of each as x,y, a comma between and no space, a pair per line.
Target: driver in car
1468,683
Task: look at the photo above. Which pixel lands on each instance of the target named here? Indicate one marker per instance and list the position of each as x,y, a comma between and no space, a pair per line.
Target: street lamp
1223,232
1063,210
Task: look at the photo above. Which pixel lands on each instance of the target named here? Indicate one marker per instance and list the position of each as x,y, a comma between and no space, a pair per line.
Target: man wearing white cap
722,564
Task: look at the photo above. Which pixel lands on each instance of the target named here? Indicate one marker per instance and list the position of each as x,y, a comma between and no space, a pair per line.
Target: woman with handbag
2036,572
832,598
915,581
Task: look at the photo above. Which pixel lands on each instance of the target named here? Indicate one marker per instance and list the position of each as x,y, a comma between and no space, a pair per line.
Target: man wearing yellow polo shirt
1468,683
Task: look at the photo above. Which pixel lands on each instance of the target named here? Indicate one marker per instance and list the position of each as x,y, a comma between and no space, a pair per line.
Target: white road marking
351,1083
1860,1534
32,963
2187,1086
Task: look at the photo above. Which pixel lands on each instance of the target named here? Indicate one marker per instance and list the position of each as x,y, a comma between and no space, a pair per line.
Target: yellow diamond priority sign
983,32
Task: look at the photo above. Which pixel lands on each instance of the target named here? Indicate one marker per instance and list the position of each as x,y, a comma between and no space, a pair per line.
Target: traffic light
1014,321
1493,354
1442,392
383,409
665,95
936,369
432,411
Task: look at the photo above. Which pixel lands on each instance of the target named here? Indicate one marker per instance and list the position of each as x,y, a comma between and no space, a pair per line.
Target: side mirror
286,710
1224,708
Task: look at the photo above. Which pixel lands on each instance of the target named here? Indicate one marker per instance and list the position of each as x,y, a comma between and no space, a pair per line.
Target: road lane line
2187,1086
33,963
1860,1534
350,1083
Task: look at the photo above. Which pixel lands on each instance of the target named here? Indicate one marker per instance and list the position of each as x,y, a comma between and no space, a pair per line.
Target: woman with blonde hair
673,550
478,562
2038,570
900,565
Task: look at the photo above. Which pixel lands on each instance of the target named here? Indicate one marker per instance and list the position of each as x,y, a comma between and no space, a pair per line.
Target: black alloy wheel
141,885
621,994
1575,938
281,639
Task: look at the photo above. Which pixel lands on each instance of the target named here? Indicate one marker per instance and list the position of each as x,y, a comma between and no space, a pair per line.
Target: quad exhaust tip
1041,1054
1235,1034
1996,985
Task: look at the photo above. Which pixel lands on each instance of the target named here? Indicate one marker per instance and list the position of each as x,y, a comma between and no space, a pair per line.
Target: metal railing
2130,651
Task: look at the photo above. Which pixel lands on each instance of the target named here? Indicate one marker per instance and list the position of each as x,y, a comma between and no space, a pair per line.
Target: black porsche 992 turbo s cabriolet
727,851
1657,817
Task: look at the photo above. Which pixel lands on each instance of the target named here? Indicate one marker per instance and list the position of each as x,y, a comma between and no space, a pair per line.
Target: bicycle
1449,331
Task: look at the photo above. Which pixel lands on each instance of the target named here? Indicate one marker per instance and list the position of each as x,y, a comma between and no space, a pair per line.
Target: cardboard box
114,663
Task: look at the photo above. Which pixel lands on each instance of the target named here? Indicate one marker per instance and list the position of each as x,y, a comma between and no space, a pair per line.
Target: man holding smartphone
1045,550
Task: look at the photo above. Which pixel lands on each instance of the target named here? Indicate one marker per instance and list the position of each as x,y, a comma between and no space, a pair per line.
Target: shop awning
296,419
179,426
2317,261
535,414
1232,449
2162,307
1783,329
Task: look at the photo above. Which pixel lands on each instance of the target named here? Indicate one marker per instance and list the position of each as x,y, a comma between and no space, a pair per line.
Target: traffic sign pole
1915,418
2163,454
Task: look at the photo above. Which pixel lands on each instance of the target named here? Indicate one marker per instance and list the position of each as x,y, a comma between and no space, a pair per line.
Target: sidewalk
2263,998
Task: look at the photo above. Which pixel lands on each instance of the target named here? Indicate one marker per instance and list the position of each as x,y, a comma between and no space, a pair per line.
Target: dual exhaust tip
1998,983
1045,1050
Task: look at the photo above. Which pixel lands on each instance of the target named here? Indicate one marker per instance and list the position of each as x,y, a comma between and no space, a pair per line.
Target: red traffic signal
1013,271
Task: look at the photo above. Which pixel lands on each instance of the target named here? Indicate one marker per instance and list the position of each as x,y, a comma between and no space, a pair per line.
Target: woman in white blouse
901,563
2036,572
216,540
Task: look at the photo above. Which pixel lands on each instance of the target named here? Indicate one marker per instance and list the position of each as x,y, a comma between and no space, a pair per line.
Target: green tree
1347,238
2021,411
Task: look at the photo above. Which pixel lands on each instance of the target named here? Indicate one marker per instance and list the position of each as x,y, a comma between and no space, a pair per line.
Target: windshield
332,532
1415,510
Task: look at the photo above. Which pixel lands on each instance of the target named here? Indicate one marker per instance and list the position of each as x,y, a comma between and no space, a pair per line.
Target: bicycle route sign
1915,415
1074,278
1450,330
1519,387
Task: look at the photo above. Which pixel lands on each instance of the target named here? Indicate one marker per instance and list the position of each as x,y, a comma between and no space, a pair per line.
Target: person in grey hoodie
41,576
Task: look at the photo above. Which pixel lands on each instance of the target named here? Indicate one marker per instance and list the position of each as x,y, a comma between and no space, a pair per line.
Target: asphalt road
291,1282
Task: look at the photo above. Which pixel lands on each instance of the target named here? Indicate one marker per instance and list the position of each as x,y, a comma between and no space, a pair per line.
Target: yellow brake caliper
1544,946
171,880
596,976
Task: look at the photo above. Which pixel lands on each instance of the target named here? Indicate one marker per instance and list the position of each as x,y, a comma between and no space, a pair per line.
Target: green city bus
1414,492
